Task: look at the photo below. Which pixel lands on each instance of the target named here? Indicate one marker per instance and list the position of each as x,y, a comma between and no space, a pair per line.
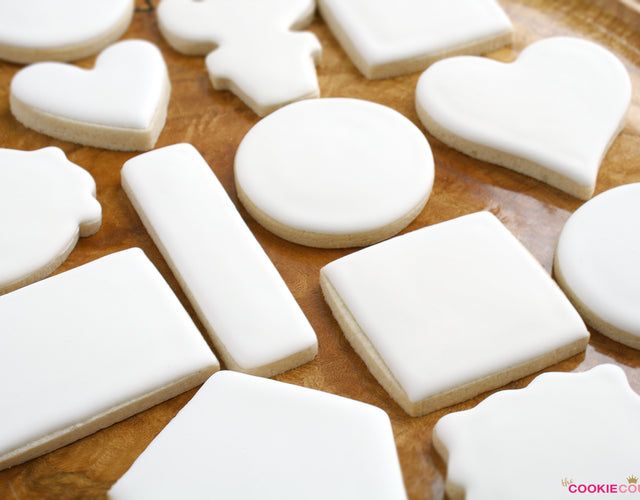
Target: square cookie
385,39
446,312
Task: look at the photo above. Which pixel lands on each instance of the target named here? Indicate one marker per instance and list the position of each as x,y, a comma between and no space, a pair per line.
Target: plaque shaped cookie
551,114
89,347
63,30
564,434
597,263
446,312
244,437
46,203
333,173
385,39
119,104
252,50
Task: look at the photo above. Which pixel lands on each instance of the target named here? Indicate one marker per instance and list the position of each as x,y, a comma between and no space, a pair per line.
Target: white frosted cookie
251,49
446,312
60,30
90,347
46,203
334,173
565,433
597,263
244,437
551,114
119,104
253,320
389,38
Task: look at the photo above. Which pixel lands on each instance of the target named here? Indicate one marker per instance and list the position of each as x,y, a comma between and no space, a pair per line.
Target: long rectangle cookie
88,348
253,320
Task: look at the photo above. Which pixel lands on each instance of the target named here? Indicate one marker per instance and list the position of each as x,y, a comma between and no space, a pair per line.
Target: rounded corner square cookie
446,312
390,38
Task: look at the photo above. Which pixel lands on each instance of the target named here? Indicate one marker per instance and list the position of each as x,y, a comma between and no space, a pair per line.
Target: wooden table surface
215,122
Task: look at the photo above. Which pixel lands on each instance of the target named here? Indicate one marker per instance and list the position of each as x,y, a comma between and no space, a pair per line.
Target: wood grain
215,122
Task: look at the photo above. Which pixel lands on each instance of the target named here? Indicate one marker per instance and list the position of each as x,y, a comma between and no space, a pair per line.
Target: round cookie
60,30
334,173
597,263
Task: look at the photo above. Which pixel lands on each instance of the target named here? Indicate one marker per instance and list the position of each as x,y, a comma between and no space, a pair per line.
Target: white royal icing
88,340
236,290
123,90
253,51
433,300
379,32
46,24
46,202
559,105
598,256
335,166
561,434
244,437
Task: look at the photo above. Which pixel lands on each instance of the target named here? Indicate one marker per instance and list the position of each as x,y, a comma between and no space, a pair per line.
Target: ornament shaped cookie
251,49
597,263
552,114
119,104
446,312
334,173
252,319
385,39
244,437
570,433
46,204
89,347
63,30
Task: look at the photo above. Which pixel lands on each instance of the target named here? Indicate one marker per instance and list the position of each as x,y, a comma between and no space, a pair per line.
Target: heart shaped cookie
552,114
64,30
120,104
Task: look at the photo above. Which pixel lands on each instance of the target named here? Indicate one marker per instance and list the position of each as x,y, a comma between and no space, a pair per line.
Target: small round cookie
334,173
597,263
60,30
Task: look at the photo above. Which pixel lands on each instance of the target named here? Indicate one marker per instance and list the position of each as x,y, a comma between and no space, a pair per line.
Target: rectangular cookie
89,347
254,322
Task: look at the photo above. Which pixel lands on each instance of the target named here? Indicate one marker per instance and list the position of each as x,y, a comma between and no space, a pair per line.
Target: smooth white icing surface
599,256
254,52
558,105
46,24
335,166
84,341
582,427
123,90
383,32
232,284
244,437
432,300
44,199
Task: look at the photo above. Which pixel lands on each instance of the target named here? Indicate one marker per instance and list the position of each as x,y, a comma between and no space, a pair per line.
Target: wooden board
215,122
